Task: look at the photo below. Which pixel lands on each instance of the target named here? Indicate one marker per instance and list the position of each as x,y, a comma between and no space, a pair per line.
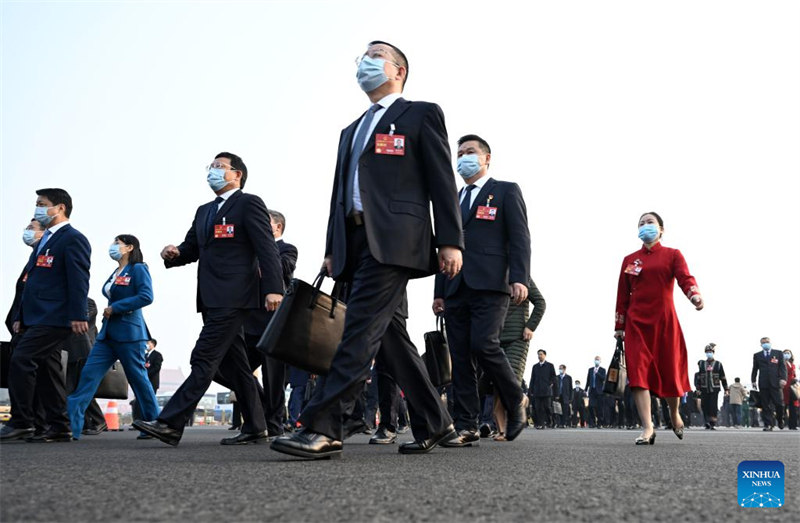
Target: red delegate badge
486,213
634,269
224,231
44,260
391,144
122,280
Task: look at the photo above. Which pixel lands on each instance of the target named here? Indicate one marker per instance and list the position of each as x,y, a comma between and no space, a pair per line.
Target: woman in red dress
655,350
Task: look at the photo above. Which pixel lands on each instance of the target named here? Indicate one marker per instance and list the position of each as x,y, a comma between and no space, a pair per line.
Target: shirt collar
54,229
656,247
227,194
388,100
480,182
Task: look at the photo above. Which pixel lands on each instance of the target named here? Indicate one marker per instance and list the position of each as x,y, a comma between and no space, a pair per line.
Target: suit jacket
257,320
235,272
127,322
498,252
564,384
769,370
56,296
543,380
154,360
600,380
396,192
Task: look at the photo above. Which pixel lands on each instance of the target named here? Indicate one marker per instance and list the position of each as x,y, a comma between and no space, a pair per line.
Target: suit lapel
482,195
226,206
392,113
46,247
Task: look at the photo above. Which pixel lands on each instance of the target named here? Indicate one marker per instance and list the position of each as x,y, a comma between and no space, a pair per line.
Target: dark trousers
374,329
371,400
709,402
736,411
474,320
296,400
221,346
578,413
595,410
388,400
793,412
543,412
564,417
771,405
35,369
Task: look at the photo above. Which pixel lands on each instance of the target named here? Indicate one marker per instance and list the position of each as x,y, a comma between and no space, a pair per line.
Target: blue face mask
468,166
216,179
29,237
710,355
113,251
648,233
766,346
370,74
41,216
561,371
596,363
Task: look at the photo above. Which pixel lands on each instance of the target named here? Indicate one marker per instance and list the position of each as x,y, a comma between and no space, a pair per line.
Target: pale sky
600,111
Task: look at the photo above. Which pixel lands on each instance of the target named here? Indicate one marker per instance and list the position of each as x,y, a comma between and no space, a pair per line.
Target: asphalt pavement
545,475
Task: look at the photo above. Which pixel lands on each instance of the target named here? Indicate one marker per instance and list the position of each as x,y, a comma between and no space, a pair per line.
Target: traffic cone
112,416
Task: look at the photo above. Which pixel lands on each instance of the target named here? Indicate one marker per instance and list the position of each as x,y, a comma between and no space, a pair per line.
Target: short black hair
398,55
136,254
57,197
278,218
237,164
154,341
658,218
542,351
737,380
484,145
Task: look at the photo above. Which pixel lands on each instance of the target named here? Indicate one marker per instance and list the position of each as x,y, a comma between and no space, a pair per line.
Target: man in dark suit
238,272
52,308
595,380
379,236
578,406
152,362
541,387
769,368
496,264
563,392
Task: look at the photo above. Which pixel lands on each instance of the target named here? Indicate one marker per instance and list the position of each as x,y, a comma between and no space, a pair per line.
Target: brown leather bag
307,327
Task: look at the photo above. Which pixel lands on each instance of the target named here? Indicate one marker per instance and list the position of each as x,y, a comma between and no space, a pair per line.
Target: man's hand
16,327
273,301
697,300
170,252
620,334
527,334
438,306
328,264
450,261
782,383
80,327
519,293
107,312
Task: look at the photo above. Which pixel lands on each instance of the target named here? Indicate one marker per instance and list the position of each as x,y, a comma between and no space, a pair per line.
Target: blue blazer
127,322
56,296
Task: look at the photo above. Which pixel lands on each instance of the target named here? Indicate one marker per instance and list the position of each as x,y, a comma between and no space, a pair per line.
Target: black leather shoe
383,436
517,420
351,428
308,444
426,445
160,431
464,438
485,430
9,433
244,439
94,431
50,437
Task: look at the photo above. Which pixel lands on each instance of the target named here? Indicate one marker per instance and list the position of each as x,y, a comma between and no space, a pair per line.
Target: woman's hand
527,334
107,312
697,300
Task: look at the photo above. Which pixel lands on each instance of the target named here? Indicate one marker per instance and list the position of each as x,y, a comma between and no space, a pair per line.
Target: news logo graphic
761,484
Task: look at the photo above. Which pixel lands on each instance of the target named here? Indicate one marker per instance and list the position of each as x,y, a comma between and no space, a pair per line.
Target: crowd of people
393,165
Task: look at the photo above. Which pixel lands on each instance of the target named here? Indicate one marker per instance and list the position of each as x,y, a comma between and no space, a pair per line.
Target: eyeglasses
379,53
220,165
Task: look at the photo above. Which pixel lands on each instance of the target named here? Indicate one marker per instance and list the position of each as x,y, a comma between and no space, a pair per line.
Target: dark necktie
465,203
45,237
355,154
212,213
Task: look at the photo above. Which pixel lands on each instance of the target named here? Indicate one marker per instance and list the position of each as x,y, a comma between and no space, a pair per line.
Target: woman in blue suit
124,334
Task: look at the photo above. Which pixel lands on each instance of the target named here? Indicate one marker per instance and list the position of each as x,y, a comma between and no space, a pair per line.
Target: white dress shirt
479,183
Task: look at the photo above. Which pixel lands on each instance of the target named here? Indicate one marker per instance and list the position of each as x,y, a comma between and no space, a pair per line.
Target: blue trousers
103,355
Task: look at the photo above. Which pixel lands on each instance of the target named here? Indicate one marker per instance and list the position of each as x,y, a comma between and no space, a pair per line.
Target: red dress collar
656,247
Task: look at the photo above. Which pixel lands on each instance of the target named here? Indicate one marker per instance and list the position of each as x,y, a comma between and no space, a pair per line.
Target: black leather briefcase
307,327
437,356
114,385
617,374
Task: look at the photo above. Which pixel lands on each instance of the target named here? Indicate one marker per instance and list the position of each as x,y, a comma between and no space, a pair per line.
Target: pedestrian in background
655,350
738,397
790,398
710,375
770,369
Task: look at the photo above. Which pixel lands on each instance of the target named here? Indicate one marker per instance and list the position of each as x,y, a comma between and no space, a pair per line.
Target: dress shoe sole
458,445
64,439
248,442
382,441
292,451
164,439
405,450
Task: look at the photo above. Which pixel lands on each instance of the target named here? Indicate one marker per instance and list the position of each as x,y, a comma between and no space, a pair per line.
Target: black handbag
617,374
437,356
307,327
5,361
114,385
